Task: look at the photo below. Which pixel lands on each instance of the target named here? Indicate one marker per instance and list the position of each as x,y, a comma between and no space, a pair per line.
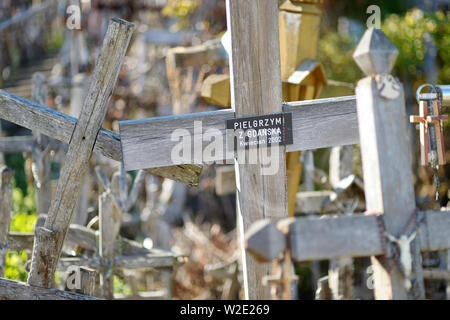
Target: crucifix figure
430,120
256,96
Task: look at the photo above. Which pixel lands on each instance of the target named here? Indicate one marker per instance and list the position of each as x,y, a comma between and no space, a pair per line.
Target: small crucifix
430,120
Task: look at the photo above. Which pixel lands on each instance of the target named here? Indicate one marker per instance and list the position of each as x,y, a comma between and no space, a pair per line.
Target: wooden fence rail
60,126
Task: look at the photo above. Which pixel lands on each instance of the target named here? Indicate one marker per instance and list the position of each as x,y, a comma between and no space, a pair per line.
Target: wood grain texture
6,175
386,158
388,183
110,221
60,126
82,143
316,124
256,89
12,290
317,238
356,235
40,156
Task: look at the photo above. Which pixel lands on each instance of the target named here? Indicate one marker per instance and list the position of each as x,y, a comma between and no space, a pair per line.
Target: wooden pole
110,221
5,213
341,270
256,89
80,150
77,96
386,159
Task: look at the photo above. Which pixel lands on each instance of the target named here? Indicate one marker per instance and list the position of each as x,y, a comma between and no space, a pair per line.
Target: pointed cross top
375,54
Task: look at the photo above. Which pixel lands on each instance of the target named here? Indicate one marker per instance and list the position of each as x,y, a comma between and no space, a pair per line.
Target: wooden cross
256,87
121,252
49,239
430,101
388,189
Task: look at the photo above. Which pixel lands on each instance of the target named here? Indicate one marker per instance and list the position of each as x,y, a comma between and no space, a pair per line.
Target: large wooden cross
398,232
256,90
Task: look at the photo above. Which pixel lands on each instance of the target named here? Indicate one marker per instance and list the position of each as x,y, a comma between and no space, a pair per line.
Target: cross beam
323,238
319,123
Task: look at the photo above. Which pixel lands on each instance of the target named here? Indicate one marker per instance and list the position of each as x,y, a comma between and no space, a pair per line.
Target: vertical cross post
5,213
49,239
386,161
110,221
41,155
256,89
77,96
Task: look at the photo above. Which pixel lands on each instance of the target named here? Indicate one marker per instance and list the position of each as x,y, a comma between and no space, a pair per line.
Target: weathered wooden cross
256,90
431,119
84,136
393,231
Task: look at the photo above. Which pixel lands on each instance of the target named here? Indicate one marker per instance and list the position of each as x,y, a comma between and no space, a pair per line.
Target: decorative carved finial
375,54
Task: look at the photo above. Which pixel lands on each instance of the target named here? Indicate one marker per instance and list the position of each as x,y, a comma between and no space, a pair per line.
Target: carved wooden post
386,160
41,166
49,239
5,213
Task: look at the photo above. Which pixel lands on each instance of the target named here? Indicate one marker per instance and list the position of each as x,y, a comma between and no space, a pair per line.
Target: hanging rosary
431,125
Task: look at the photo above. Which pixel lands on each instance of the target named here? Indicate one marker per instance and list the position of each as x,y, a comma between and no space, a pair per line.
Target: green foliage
23,206
407,32
181,10
121,287
15,266
23,220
